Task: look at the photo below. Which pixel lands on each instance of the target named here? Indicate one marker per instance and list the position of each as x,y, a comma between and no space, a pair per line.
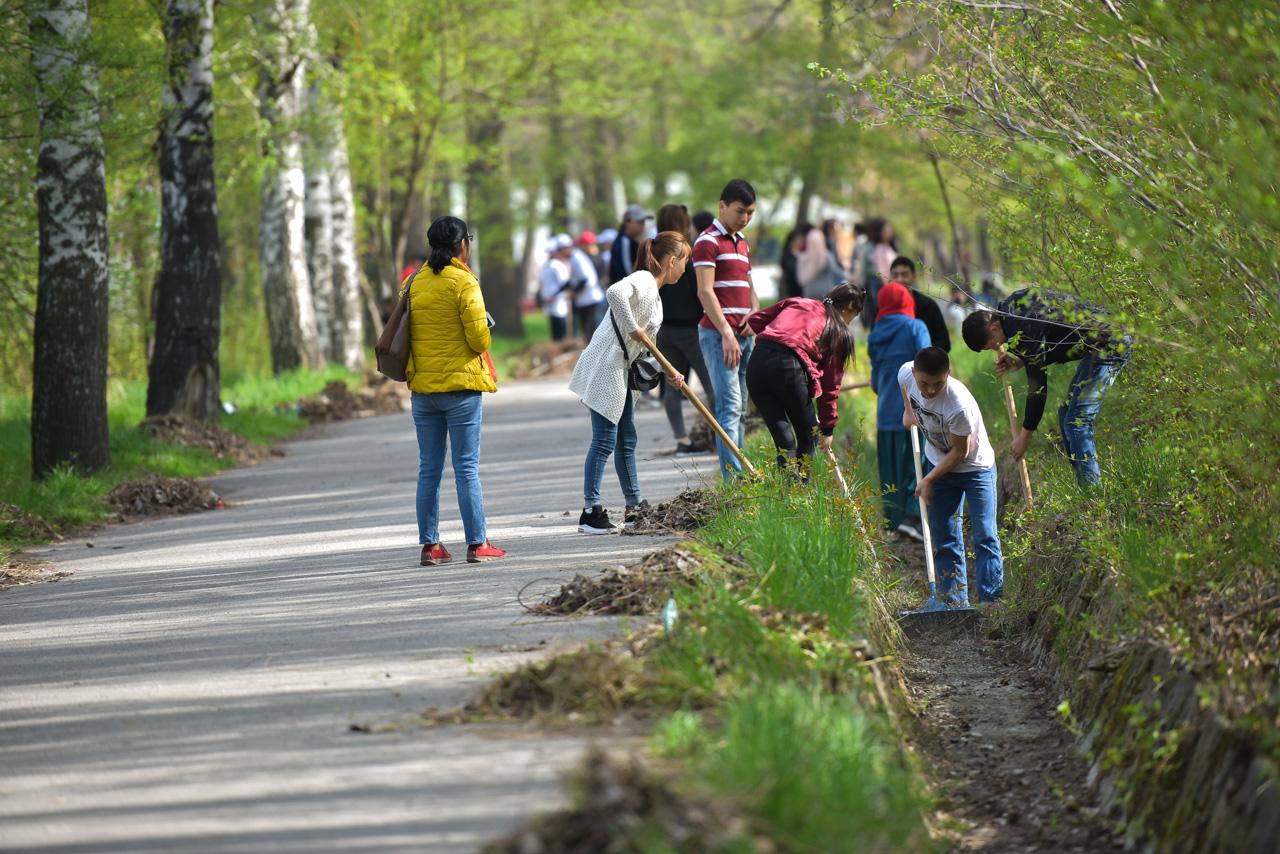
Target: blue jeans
1075,417
617,439
450,417
949,494
729,387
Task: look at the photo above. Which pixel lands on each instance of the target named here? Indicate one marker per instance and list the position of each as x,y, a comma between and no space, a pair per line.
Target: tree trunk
183,373
69,388
557,167
601,206
345,341
318,221
489,212
286,288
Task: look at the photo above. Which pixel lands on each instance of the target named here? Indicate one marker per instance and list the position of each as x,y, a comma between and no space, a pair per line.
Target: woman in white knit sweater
600,378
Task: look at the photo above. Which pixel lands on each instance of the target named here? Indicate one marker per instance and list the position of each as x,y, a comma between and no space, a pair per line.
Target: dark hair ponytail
653,252
836,341
445,237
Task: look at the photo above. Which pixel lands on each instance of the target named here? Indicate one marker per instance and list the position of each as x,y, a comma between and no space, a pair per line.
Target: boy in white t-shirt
963,467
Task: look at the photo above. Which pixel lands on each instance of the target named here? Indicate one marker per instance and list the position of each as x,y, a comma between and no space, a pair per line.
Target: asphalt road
191,686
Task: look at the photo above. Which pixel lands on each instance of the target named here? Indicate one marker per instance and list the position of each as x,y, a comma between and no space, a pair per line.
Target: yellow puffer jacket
448,332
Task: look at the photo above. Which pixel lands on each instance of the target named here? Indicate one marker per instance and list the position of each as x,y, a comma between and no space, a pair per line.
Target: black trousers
781,388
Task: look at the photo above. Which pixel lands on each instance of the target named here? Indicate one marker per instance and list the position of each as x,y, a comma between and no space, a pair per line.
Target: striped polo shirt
731,258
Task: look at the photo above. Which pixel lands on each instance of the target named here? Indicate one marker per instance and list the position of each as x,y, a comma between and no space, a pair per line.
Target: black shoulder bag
644,373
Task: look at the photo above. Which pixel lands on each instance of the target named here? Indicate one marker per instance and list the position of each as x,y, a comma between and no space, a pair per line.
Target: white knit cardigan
600,377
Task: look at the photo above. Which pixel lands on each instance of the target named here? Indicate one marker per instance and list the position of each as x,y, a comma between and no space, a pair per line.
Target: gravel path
190,687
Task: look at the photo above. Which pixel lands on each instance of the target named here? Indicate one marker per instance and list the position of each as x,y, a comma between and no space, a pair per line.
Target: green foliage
1126,152
771,665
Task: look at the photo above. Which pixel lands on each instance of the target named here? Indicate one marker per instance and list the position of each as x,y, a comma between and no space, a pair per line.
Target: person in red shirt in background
801,348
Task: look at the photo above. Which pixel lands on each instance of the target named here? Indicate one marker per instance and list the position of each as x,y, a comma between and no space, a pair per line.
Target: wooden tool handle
835,469
698,405
924,509
1012,409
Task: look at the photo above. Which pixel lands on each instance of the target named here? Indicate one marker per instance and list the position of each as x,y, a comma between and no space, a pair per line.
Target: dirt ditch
1001,757
623,805
156,495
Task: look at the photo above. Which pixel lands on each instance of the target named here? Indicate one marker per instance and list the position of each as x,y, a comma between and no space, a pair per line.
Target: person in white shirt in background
588,296
554,284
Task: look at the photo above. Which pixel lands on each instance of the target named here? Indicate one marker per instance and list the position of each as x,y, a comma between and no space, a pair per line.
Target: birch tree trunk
183,374
286,286
69,389
346,338
319,217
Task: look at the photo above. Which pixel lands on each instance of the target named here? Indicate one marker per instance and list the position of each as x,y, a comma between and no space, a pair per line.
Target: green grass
505,350
779,709
68,500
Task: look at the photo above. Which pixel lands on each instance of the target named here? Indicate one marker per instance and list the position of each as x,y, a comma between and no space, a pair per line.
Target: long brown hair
667,244
674,218
836,341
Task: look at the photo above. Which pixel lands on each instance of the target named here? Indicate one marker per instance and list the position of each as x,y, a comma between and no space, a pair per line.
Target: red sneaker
483,553
434,554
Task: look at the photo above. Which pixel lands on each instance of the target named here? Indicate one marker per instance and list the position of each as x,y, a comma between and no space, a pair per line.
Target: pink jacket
797,323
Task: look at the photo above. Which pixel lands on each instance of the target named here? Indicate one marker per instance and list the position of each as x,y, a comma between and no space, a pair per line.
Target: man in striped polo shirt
722,264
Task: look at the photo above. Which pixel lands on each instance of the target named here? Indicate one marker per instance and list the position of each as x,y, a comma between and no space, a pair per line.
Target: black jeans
782,390
680,345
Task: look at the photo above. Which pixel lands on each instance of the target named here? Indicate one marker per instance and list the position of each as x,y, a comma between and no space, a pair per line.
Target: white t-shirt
583,270
953,411
552,281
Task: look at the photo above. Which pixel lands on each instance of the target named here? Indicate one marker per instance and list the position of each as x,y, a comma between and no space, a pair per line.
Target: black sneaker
686,449
629,518
596,521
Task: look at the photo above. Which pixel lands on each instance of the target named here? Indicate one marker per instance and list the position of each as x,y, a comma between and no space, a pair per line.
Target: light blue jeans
449,418
949,495
730,389
620,441
1075,417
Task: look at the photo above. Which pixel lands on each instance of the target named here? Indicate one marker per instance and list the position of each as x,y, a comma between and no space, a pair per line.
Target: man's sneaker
595,521
686,449
434,554
911,532
483,553
629,518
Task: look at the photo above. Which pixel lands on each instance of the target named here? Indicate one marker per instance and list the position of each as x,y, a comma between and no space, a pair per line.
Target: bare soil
18,572
337,402
1002,760
638,589
156,495
684,514
547,359
18,524
622,805
222,443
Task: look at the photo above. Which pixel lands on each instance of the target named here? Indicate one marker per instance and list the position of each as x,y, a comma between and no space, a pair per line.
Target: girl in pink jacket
802,346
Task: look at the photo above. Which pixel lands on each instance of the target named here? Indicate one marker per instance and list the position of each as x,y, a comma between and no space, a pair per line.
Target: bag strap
618,332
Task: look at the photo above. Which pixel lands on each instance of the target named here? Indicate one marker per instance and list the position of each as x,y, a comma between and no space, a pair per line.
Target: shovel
934,613
700,406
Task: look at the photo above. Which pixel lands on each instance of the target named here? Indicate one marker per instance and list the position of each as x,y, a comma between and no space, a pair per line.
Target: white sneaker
910,532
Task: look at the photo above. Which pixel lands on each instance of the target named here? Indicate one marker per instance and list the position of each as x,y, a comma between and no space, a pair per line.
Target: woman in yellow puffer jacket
448,369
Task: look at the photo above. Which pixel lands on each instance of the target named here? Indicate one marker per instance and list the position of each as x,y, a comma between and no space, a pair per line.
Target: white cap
609,235
557,242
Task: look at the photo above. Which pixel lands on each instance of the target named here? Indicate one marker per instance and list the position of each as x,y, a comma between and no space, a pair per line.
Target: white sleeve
619,297
904,374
